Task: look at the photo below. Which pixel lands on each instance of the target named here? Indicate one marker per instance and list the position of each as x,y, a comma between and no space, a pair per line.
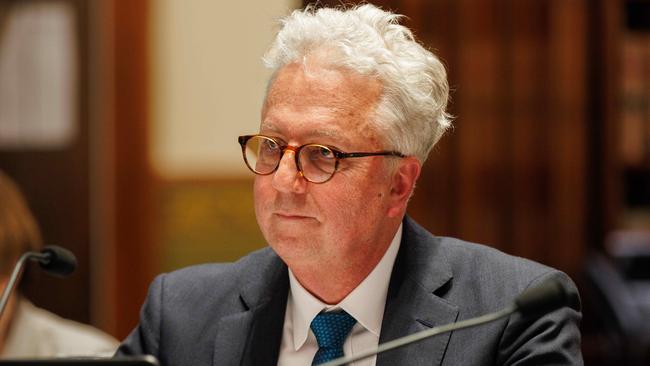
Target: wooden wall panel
482,174
528,121
568,125
136,261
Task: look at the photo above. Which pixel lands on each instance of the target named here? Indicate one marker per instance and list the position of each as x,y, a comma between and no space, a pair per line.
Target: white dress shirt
365,303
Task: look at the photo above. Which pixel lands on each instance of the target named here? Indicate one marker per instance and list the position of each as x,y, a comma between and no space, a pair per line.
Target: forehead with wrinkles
325,92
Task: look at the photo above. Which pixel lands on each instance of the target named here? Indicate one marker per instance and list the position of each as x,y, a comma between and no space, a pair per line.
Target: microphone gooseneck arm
15,275
413,338
53,259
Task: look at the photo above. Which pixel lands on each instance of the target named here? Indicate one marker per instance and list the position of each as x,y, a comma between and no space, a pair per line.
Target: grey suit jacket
233,314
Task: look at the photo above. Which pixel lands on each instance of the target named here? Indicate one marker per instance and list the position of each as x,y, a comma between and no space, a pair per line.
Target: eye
325,153
270,145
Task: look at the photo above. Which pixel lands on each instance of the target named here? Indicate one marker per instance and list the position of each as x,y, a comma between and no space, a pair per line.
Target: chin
292,250
288,240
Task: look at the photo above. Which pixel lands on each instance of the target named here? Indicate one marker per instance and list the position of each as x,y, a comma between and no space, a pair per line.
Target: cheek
354,205
260,196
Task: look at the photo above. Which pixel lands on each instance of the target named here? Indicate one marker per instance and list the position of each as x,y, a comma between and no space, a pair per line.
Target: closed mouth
291,216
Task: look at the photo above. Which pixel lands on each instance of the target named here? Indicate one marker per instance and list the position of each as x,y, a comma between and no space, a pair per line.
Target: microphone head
58,261
542,299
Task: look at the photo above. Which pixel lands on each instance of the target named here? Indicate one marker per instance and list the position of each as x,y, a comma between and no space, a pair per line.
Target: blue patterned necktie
331,330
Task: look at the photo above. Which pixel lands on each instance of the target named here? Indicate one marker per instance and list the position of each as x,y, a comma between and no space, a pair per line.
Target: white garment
365,303
36,333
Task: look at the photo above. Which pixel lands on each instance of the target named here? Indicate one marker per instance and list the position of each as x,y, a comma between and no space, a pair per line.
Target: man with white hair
354,106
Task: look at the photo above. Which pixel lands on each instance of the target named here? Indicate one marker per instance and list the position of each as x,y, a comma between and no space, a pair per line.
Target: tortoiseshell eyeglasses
315,162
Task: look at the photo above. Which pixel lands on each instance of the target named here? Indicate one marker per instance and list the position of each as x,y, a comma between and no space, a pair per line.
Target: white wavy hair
411,112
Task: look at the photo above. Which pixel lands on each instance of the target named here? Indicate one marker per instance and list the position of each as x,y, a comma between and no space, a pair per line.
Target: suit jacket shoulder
451,280
203,312
199,284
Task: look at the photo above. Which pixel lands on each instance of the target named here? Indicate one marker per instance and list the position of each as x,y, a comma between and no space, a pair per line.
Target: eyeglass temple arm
364,154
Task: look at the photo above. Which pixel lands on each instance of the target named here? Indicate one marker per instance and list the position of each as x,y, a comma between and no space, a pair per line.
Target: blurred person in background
27,331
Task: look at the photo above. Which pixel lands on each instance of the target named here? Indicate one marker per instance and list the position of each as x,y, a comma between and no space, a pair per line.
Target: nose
287,178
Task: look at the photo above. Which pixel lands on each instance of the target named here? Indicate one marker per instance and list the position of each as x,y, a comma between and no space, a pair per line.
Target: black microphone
58,261
53,259
542,299
533,302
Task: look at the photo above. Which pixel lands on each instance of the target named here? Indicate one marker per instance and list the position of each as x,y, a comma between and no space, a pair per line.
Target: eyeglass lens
316,162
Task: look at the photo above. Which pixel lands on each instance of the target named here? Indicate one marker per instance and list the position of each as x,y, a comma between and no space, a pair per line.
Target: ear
403,183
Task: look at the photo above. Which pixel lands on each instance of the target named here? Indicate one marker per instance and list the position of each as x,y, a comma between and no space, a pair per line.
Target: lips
292,216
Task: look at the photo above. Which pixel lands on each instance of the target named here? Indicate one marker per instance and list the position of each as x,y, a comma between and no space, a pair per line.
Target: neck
336,286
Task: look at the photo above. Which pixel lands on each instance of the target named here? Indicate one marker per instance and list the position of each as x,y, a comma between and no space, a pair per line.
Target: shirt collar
365,303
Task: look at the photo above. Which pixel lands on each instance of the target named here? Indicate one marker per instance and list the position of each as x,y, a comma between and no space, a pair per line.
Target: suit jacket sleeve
145,338
553,339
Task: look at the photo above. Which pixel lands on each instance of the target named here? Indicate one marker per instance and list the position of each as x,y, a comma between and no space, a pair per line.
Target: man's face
340,221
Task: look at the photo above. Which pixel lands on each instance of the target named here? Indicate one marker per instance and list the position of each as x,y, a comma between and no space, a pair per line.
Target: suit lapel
231,338
420,276
252,335
265,338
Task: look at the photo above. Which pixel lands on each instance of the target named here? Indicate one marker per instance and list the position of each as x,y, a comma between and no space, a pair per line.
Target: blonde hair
18,229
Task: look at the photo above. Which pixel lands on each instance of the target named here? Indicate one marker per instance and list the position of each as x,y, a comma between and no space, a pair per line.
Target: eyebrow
267,126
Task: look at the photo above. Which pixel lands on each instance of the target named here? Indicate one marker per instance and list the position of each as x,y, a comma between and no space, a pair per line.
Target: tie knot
331,329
